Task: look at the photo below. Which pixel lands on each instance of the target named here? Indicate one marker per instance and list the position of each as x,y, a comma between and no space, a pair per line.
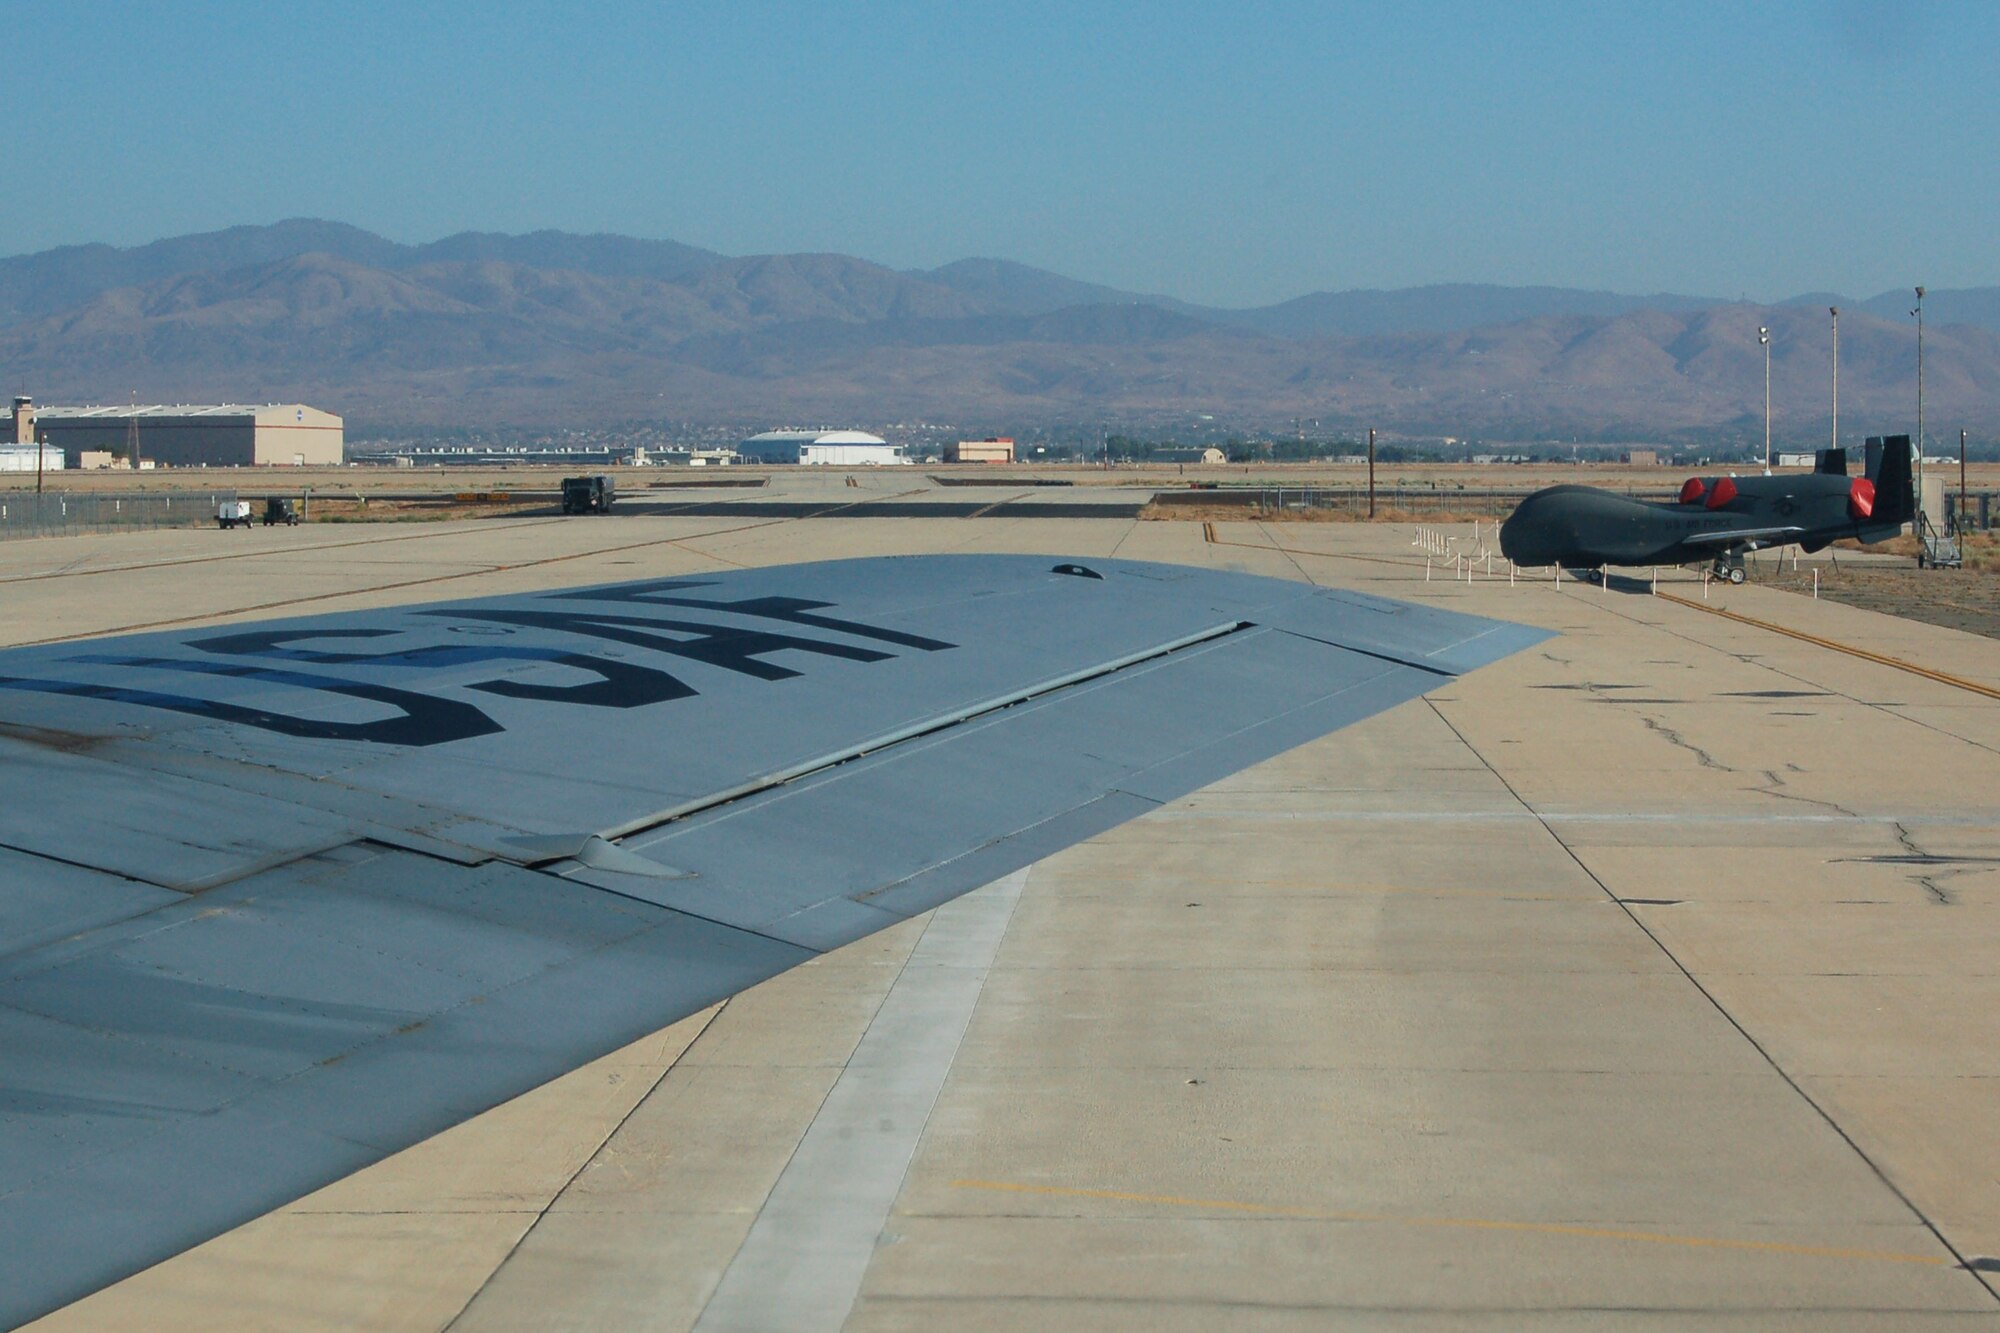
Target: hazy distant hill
489,329
603,255
56,280
1009,288
1440,309
1021,289
1965,305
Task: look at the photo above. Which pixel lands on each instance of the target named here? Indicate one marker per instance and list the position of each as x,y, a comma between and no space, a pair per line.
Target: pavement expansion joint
1818,1107
1574,1229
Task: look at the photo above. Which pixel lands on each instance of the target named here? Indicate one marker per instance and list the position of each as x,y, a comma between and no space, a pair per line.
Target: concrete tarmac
1644,979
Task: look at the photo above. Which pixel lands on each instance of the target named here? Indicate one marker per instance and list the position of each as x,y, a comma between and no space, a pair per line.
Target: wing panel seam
928,726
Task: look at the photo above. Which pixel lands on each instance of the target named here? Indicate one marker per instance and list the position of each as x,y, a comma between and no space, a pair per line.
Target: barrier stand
1656,580
1815,585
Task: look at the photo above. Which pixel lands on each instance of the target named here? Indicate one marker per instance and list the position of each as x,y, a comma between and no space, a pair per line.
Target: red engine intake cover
1861,497
1692,490
1724,492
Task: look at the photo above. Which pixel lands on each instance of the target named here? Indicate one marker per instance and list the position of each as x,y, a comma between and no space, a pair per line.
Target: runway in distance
1717,519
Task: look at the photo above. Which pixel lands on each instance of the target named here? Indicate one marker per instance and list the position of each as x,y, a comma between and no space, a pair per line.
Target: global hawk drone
1717,519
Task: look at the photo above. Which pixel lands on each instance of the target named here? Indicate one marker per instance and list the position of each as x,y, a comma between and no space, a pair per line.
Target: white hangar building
840,448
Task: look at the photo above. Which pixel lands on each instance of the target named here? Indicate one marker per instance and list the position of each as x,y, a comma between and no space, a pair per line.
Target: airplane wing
277,900
1745,536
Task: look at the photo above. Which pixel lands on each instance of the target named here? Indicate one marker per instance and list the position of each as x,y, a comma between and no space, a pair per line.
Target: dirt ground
1967,599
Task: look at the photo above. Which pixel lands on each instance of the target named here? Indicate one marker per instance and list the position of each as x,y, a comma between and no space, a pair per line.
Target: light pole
1834,311
1919,313
1764,338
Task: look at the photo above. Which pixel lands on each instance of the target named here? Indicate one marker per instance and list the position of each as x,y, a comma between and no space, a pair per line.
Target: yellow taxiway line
1882,659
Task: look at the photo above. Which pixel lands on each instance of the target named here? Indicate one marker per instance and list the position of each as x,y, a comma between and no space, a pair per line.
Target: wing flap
778,852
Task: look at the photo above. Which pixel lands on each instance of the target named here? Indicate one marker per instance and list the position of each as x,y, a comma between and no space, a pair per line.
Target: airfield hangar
183,435
838,448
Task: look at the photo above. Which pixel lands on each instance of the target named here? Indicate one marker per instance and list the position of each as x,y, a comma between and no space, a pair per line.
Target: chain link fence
66,513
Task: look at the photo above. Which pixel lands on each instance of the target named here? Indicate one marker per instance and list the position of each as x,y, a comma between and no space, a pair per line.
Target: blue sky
1232,153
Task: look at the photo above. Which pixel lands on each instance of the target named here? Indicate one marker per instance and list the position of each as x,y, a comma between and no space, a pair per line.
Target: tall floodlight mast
1834,311
1764,338
1919,313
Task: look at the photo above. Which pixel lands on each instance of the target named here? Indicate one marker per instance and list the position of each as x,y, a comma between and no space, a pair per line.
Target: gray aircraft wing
277,900
1738,536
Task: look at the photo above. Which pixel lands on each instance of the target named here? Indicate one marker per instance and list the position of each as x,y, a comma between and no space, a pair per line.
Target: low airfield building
838,448
21,458
181,435
999,449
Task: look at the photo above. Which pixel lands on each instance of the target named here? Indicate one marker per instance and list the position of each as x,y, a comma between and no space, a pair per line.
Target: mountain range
549,328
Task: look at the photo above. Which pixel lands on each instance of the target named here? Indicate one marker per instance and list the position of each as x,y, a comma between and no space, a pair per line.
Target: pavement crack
1775,785
1929,883
1672,737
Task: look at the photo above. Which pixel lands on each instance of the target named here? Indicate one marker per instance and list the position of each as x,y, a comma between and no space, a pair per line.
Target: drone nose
1518,535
